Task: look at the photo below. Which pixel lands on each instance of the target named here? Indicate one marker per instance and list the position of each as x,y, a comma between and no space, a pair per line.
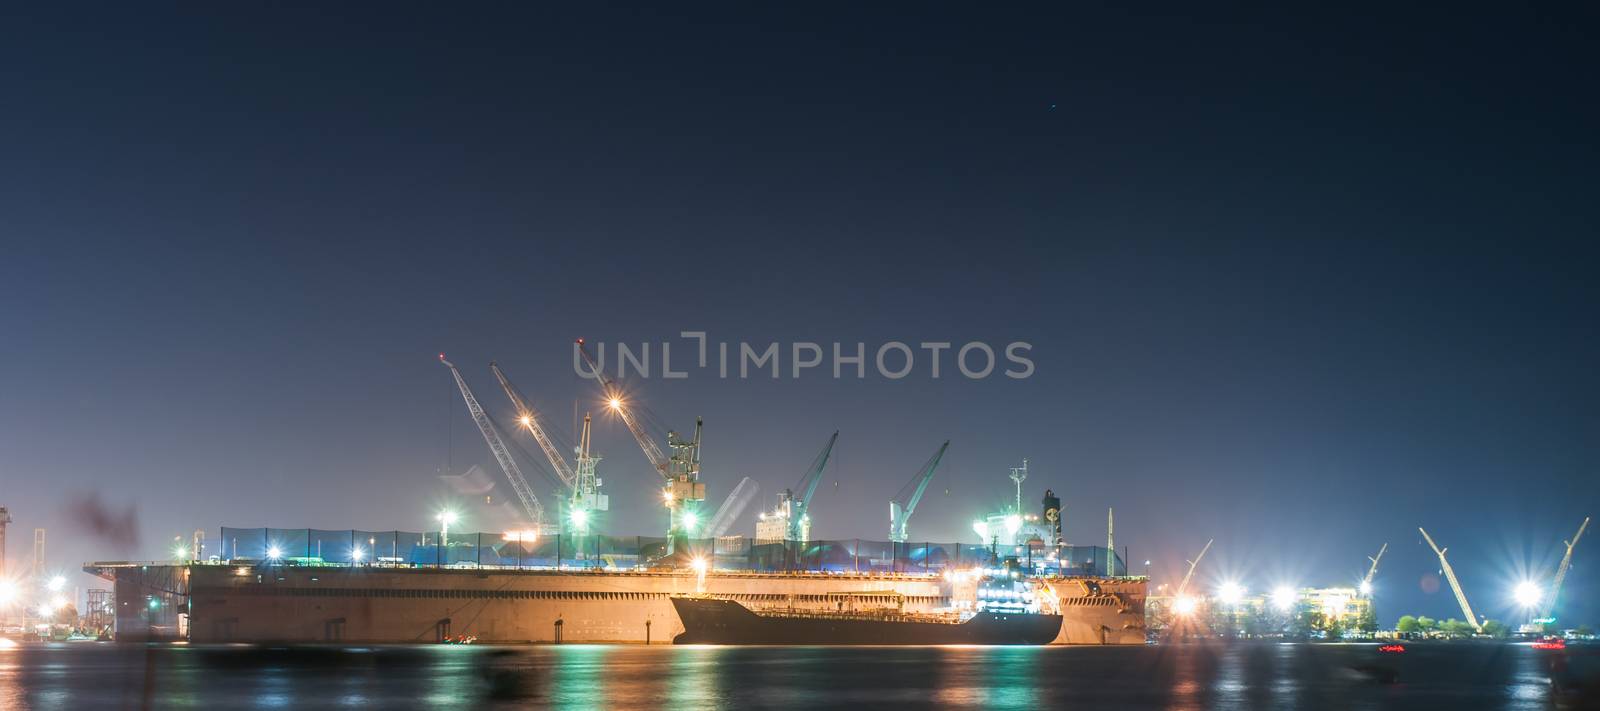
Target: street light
1283,598
1230,593
1184,605
274,553
356,554
445,518
56,584
1527,594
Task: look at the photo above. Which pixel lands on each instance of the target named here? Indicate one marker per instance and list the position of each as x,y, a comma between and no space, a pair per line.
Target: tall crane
530,502
905,502
1455,585
583,486
1366,582
1561,572
529,419
684,492
731,507
1182,586
796,509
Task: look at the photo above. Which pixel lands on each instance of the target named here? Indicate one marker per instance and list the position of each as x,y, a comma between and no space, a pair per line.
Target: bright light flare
274,553
1527,594
56,584
614,403
699,564
1184,605
8,592
690,521
1231,593
356,554
667,497
1283,598
981,528
526,421
1366,588
447,518
1013,524
520,536
580,518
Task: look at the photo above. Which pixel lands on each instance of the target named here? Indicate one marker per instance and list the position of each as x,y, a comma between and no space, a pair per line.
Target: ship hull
709,621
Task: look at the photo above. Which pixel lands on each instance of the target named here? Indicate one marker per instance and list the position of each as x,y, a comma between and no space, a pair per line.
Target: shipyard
784,356
556,579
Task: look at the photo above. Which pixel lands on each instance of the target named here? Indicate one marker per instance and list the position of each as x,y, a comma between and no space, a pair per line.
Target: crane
614,400
684,491
732,506
1561,572
529,419
1455,585
530,502
1366,583
1182,586
796,509
905,502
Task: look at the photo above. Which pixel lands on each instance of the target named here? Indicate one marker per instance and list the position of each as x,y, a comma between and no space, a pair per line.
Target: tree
1584,631
1368,621
1334,629
1426,624
1496,629
1407,625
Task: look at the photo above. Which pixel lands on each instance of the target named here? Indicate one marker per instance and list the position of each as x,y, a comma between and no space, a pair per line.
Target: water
588,678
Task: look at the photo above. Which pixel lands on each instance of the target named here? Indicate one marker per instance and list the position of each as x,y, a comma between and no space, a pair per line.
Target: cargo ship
712,621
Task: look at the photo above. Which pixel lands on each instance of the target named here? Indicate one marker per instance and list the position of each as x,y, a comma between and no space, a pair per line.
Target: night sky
1297,280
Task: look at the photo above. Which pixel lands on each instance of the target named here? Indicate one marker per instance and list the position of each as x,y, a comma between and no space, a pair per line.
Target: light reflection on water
594,677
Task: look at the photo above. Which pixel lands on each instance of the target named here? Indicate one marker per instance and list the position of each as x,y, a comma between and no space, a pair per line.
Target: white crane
1366,582
529,419
1561,572
904,503
530,502
1182,586
731,507
1455,585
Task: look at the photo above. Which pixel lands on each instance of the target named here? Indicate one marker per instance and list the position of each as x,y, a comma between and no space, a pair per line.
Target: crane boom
900,510
1366,582
1192,565
652,451
1561,572
808,487
530,502
529,419
1455,585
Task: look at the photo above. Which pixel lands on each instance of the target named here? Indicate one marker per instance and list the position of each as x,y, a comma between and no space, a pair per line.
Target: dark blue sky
1301,282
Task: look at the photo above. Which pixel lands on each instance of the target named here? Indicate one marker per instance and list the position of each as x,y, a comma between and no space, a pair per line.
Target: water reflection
589,678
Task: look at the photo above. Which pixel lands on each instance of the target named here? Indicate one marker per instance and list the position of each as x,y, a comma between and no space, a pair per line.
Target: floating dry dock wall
209,603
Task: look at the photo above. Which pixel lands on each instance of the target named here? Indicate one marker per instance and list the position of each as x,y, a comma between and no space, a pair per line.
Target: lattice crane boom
1366,582
529,419
614,400
530,502
1182,586
1561,572
1455,585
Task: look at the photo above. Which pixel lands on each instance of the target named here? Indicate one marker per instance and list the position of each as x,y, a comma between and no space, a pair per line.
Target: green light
155,603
